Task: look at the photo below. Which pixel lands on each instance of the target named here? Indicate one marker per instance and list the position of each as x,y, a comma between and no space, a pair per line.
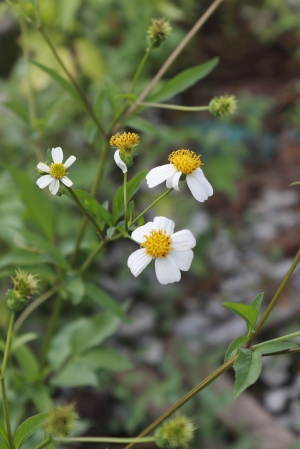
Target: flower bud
177,432
61,420
125,144
223,106
157,32
25,285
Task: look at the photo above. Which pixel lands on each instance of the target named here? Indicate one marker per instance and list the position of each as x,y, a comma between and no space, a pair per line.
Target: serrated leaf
248,313
104,358
247,370
18,110
67,87
28,427
101,215
275,346
132,188
4,434
183,81
103,299
75,374
234,346
141,124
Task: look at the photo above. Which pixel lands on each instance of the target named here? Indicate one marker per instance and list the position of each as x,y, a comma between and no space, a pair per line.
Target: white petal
166,270
44,181
183,259
160,174
43,167
119,161
164,223
139,234
183,240
138,261
67,182
57,155
54,186
175,180
199,186
69,161
169,182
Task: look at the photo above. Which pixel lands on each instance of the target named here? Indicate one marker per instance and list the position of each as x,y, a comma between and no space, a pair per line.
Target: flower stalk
125,202
150,207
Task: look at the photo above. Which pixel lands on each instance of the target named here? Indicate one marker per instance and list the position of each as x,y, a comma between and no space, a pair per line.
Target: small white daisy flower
56,172
172,252
182,162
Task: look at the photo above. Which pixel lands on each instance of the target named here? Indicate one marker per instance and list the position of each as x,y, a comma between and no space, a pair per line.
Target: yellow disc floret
58,170
185,161
125,141
158,243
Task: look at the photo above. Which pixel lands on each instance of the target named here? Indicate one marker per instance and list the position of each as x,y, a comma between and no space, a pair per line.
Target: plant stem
125,202
90,258
51,329
104,440
149,207
2,379
176,52
44,443
217,373
275,298
173,106
26,312
88,216
139,69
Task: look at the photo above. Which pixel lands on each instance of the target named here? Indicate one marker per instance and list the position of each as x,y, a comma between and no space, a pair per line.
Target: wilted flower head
157,32
177,432
61,420
125,144
25,285
223,106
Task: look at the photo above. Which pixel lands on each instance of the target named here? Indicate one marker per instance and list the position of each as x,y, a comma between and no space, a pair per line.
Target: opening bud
157,32
223,106
175,433
125,144
61,420
25,285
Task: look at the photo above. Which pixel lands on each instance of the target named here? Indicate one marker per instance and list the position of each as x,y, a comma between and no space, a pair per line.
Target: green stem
284,337
125,202
19,11
104,440
149,207
176,53
139,69
217,373
44,443
275,298
173,106
90,258
51,329
26,312
88,216
3,390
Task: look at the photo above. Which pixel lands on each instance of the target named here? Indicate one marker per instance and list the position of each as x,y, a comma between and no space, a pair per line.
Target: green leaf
75,374
4,434
132,188
68,11
28,427
3,444
19,257
41,397
90,131
91,205
141,124
110,231
28,362
22,340
60,80
75,287
113,95
40,209
247,370
295,183
94,331
248,313
103,299
183,81
104,358
18,109
234,346
256,303
275,346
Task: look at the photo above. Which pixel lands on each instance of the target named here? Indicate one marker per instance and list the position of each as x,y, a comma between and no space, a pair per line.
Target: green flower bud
223,106
25,285
61,420
157,32
177,432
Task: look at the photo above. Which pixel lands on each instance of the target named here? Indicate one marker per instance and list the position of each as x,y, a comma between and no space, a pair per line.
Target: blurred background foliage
101,44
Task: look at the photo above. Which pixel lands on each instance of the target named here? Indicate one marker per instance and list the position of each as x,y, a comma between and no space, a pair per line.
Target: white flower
119,161
57,171
172,252
182,162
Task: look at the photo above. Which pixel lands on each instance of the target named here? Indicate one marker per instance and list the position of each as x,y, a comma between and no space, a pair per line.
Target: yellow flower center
185,161
125,141
58,170
158,243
